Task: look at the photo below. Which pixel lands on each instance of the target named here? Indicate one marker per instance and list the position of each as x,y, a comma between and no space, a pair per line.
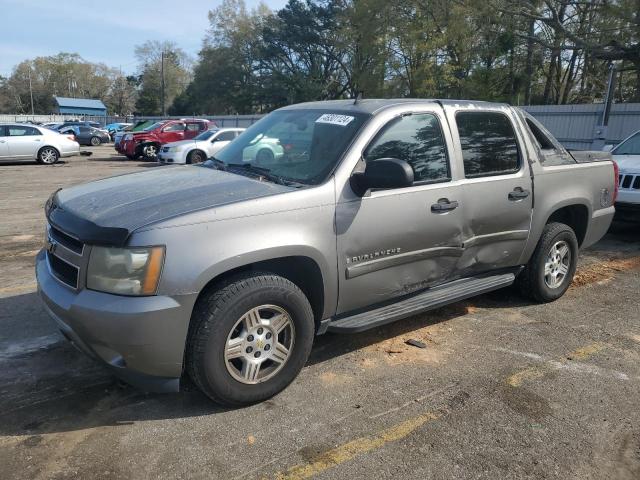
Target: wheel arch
575,215
302,270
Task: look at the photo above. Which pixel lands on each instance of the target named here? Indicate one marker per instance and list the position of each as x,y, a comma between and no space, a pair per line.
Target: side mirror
608,148
382,173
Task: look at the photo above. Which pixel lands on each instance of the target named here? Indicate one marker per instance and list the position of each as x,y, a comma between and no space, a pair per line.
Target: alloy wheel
259,344
557,265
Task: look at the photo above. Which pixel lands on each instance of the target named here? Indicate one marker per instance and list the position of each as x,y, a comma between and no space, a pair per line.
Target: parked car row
627,157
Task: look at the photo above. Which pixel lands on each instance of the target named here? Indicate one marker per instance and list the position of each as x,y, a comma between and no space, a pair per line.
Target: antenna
358,97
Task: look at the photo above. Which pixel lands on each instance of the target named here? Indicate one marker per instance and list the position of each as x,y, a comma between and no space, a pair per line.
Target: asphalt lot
504,389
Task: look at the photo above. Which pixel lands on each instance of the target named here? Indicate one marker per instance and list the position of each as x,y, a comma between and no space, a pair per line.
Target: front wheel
551,268
150,151
249,338
196,156
95,141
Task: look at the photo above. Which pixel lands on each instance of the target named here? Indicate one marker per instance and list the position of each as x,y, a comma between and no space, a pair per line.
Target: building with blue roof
80,106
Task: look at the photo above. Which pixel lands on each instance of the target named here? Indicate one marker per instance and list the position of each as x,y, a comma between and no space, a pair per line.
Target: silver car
29,142
198,149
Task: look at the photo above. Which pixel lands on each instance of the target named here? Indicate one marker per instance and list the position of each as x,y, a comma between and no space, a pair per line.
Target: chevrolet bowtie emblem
51,247
259,343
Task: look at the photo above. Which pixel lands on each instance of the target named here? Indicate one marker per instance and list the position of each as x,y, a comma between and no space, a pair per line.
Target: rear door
193,129
397,241
24,141
496,189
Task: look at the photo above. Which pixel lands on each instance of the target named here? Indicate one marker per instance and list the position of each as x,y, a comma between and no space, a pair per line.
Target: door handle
444,205
518,194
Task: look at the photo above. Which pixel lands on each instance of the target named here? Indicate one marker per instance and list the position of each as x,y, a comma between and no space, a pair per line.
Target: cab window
193,127
418,140
176,127
488,143
630,146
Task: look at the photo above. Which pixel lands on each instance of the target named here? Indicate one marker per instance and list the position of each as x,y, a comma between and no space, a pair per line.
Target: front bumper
140,339
627,212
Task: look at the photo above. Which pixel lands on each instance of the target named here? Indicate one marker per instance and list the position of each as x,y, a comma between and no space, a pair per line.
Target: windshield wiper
213,162
266,173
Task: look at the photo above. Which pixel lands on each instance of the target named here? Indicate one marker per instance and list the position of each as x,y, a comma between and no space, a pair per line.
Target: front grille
630,181
65,256
63,271
165,149
66,240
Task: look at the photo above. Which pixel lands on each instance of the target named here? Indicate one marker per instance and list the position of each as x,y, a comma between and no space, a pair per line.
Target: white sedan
200,148
19,141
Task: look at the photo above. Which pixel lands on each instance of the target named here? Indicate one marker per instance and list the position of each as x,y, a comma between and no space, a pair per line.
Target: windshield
206,135
153,126
630,146
299,145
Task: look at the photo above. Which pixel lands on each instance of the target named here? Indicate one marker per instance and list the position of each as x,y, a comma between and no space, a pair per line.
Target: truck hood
628,163
106,212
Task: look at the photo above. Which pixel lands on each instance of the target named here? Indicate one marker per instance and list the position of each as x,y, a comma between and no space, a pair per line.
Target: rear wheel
95,141
48,155
249,338
196,156
551,268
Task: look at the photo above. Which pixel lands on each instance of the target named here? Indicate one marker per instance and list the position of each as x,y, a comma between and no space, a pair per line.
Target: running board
430,299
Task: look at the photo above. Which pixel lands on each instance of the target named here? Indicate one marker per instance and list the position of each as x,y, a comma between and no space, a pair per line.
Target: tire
196,156
264,157
550,270
238,314
48,155
95,141
131,157
150,152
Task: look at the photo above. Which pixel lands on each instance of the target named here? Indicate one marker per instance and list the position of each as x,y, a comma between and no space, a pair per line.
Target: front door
4,142
497,191
23,141
398,241
173,132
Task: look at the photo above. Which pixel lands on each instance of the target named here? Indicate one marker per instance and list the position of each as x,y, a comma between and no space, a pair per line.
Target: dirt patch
396,351
331,378
604,271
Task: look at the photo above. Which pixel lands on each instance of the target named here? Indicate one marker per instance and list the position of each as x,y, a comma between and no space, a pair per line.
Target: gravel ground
503,389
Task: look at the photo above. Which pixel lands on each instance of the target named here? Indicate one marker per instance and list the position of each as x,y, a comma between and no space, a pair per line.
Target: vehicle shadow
20,163
54,388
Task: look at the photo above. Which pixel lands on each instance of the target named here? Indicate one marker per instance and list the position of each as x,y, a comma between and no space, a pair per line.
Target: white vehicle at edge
627,156
200,148
23,141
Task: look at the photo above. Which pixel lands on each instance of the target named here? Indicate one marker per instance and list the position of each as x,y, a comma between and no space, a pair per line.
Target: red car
147,142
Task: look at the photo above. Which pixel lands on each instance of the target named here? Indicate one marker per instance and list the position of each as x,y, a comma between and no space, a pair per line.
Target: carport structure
81,106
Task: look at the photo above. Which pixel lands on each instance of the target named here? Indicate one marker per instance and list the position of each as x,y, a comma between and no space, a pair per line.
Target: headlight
125,271
172,149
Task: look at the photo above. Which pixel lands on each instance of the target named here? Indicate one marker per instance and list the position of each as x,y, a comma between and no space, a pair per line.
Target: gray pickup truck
330,216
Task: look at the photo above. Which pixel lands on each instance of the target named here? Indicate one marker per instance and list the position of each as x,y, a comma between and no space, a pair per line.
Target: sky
101,31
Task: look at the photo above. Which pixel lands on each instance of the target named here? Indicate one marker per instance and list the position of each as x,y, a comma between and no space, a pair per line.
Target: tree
164,69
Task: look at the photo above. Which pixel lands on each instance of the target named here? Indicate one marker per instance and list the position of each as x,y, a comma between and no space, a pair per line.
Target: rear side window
20,131
543,141
416,139
194,127
488,144
226,136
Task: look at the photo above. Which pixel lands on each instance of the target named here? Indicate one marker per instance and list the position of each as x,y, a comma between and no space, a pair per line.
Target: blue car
112,128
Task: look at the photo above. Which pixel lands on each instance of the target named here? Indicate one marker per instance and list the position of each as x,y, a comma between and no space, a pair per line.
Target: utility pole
162,82
31,92
600,134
